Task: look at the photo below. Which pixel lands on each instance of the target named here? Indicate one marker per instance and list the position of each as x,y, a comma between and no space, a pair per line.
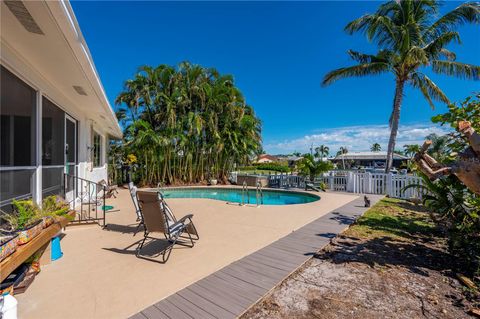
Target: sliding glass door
59,148
70,156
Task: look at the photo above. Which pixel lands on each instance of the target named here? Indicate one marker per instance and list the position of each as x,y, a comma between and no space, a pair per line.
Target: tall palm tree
376,147
321,151
188,122
410,38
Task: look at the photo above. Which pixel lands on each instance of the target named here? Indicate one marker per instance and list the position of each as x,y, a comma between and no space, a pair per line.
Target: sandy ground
100,277
371,278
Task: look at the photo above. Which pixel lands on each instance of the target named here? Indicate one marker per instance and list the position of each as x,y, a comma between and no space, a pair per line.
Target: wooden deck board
205,304
171,310
231,290
153,312
189,308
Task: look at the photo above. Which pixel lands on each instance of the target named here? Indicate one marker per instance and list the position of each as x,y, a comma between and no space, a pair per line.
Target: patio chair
155,220
191,229
133,194
111,190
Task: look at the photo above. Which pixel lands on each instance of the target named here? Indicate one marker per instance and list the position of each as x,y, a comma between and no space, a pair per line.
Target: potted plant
53,207
24,220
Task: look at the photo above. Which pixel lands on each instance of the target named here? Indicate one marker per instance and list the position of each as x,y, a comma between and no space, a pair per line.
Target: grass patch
394,218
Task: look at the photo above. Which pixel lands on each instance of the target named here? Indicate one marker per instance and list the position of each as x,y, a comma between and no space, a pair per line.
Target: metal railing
92,196
259,194
245,193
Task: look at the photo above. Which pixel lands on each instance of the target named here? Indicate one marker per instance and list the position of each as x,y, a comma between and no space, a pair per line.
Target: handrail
259,194
88,194
245,190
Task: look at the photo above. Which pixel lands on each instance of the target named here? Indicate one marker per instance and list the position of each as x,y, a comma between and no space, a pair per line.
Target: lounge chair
111,190
133,194
191,229
155,220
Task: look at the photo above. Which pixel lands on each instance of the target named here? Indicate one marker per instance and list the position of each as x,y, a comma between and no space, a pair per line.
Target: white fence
392,185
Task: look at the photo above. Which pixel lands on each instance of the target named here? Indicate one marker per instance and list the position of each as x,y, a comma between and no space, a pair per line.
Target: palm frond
468,12
428,88
359,70
457,69
376,27
449,55
435,47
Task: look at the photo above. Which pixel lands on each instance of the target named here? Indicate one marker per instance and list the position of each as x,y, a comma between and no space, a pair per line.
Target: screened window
17,138
97,149
17,126
53,134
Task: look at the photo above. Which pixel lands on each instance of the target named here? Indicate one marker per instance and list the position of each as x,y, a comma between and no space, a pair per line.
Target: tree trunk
395,118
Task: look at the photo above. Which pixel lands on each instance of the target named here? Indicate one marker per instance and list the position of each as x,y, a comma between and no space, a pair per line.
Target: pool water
234,195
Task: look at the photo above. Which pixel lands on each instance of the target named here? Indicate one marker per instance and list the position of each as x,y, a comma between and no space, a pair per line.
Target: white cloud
356,138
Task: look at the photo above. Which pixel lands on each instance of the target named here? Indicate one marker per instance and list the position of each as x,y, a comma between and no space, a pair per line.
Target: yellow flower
131,159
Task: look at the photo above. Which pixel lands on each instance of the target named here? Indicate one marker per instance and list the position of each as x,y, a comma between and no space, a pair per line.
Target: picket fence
393,185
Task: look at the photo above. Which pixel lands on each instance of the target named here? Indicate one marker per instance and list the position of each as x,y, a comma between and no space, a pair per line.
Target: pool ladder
245,194
259,194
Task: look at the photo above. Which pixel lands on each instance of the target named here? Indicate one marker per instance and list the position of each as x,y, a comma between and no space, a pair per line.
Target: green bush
275,167
272,167
450,201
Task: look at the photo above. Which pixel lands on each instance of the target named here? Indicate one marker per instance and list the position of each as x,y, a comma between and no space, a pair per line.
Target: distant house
368,159
265,158
290,160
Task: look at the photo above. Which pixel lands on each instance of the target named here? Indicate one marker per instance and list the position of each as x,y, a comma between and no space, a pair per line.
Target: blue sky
278,53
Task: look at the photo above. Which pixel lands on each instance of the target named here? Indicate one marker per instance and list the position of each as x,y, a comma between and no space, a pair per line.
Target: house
368,159
55,116
265,158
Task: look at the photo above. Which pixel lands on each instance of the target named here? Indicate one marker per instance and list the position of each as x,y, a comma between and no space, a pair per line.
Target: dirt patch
372,271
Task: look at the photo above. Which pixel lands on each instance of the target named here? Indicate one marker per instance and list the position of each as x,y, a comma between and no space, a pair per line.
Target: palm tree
321,151
410,38
311,168
411,149
376,147
343,150
187,123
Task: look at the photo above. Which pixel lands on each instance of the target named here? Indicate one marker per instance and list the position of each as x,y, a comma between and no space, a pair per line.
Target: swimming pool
234,195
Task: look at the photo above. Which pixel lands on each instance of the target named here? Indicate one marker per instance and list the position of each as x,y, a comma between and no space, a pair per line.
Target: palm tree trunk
397,103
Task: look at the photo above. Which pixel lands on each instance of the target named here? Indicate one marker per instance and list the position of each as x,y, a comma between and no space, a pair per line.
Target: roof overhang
61,57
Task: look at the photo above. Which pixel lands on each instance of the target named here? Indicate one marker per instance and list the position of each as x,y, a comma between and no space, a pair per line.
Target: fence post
368,188
389,186
330,180
350,183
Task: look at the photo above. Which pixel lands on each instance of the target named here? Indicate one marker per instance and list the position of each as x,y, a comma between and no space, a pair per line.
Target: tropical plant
185,124
411,149
343,150
308,166
321,151
25,213
410,38
376,147
53,206
439,148
450,200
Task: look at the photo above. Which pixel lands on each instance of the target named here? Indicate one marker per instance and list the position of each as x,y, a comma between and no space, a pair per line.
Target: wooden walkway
229,292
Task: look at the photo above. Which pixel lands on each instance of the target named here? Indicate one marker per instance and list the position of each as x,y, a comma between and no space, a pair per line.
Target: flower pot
8,245
47,221
27,234
213,182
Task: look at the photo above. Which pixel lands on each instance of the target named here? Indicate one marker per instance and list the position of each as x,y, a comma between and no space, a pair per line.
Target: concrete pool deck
100,277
